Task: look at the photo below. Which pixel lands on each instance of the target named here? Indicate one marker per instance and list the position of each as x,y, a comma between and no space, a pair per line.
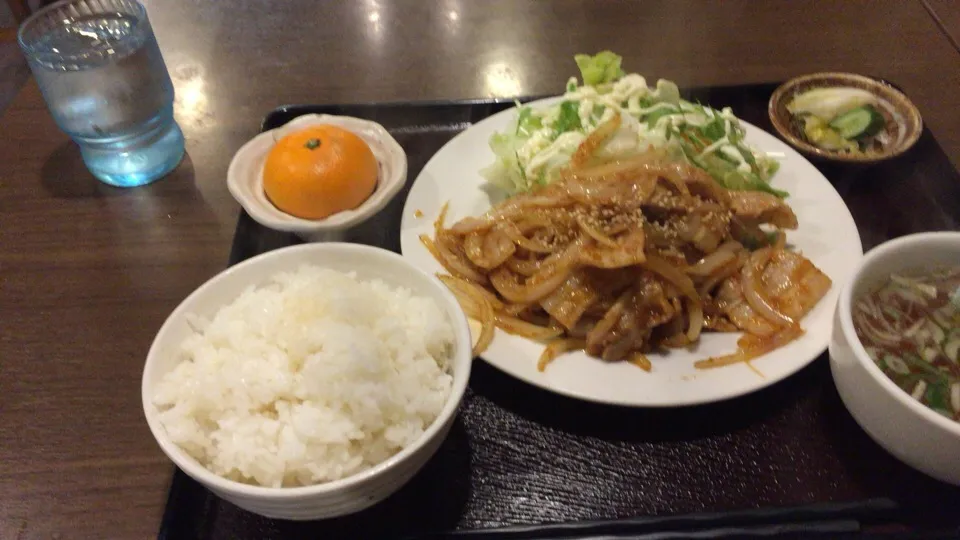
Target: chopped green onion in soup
910,328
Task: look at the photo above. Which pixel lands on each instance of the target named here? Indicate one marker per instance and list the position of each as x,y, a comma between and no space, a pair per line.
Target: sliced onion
660,266
532,314
721,275
711,263
750,282
731,245
488,250
514,310
652,165
516,235
638,165
474,288
524,267
752,346
472,224
473,247
595,233
627,191
520,205
598,334
553,272
431,247
589,146
555,349
476,305
696,321
513,208
529,223
513,325
755,346
486,333
441,218
505,282
453,263
629,251
641,361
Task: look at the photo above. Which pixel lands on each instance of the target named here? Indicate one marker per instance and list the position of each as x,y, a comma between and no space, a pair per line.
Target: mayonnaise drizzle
541,153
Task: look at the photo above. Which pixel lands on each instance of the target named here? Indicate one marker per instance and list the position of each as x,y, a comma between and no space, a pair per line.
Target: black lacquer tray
524,463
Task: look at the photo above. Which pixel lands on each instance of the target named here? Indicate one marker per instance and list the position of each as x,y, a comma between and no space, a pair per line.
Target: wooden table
88,273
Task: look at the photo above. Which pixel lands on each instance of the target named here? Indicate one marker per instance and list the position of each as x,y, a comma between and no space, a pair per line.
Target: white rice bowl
312,377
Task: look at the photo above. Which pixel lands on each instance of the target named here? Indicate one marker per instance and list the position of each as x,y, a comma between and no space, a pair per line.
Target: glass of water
105,83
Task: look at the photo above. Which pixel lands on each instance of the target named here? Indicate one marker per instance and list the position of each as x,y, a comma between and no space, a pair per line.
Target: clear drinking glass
101,73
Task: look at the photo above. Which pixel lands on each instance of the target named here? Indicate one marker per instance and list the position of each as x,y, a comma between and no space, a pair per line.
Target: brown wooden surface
19,8
88,273
947,15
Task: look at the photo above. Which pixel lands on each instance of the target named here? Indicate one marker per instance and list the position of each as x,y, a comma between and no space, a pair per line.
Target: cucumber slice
859,123
824,136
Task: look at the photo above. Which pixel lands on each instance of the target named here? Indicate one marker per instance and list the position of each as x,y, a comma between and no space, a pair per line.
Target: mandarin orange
319,171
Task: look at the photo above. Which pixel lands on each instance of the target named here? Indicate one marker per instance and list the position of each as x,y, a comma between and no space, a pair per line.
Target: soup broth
910,327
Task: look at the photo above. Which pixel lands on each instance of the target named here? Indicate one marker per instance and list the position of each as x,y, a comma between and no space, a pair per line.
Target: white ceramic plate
827,235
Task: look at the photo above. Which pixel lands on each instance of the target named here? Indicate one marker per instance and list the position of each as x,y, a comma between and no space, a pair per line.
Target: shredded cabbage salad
541,141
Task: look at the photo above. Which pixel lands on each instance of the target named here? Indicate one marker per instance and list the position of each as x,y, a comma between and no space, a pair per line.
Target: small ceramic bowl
340,497
909,430
245,178
906,129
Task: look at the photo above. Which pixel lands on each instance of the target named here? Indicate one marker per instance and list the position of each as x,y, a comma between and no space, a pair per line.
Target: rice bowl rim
460,361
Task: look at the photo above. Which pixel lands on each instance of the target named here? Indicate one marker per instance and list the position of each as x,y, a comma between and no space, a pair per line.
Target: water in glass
106,84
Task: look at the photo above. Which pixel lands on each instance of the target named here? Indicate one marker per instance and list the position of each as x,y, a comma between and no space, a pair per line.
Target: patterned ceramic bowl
903,128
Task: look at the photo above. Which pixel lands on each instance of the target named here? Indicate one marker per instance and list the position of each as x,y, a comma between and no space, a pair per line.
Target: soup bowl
908,429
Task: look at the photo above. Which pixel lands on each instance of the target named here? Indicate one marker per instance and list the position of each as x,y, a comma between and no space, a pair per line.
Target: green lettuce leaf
727,174
505,172
730,177
527,123
604,67
569,118
652,118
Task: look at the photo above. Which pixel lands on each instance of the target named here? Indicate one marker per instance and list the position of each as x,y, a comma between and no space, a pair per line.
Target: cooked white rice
311,377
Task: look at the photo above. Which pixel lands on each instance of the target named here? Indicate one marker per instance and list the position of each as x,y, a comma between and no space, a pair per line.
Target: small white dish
909,430
245,178
339,497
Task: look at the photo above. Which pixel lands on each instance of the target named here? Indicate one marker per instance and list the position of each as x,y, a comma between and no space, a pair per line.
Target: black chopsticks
829,520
